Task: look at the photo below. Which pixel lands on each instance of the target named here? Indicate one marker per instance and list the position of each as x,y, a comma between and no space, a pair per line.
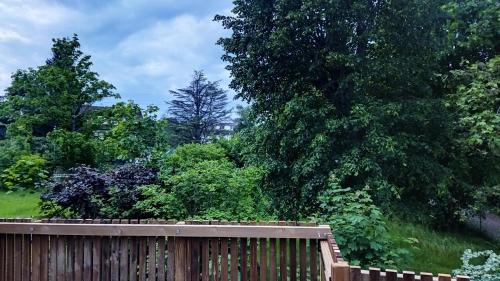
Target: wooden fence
133,250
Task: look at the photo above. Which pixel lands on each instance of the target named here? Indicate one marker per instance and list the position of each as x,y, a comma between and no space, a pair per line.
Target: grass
436,251
19,204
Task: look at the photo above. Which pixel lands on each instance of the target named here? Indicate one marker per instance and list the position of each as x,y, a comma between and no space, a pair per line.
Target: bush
76,194
186,156
489,270
25,172
200,182
123,190
88,193
11,150
358,226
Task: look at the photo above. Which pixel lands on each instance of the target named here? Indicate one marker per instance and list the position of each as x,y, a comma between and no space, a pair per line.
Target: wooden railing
334,268
158,250
154,250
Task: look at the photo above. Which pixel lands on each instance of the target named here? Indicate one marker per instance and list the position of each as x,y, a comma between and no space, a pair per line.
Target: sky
143,47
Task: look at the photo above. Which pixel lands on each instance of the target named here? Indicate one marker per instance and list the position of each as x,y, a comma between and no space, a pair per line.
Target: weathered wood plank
224,265
355,274
424,276
35,258
124,256
303,259
142,260
170,258
253,259
293,259
114,258
53,258
61,256
2,256
26,264
44,258
444,277
134,255
87,258
263,259
214,258
161,258
272,259
234,259
96,254
180,230
313,259
283,258
243,259
408,276
152,259
374,273
180,258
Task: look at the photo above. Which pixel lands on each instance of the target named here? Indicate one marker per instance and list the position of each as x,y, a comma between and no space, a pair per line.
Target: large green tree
343,94
57,94
196,109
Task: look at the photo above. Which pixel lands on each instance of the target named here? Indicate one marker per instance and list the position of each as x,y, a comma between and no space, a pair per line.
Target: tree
197,108
342,91
58,94
126,132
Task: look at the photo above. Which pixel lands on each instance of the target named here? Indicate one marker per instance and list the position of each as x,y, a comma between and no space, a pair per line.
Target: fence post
340,271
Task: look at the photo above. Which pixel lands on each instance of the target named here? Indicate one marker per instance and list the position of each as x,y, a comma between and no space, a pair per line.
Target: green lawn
19,204
436,251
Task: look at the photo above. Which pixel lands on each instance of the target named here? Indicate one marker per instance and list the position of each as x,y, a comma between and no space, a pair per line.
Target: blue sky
143,47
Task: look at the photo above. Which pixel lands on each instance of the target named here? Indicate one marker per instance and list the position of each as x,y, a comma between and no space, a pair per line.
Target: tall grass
433,250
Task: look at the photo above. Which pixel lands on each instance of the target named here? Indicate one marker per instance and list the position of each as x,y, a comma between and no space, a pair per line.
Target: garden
376,117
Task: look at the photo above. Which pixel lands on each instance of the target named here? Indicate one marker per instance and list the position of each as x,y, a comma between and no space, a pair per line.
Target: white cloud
7,35
170,50
37,13
144,48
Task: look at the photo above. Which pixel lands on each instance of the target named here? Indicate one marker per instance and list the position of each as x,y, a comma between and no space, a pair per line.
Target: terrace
130,250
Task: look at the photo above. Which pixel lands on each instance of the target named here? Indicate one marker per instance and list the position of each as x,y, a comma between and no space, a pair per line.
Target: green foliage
488,270
11,150
359,227
127,132
57,94
197,109
334,91
25,172
472,31
187,156
477,100
200,182
68,149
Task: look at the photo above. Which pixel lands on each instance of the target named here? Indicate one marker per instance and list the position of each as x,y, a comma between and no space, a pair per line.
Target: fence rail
154,250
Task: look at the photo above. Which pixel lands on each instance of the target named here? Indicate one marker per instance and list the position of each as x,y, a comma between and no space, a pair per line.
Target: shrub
186,156
199,181
123,192
76,194
489,270
88,193
25,172
11,150
358,226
